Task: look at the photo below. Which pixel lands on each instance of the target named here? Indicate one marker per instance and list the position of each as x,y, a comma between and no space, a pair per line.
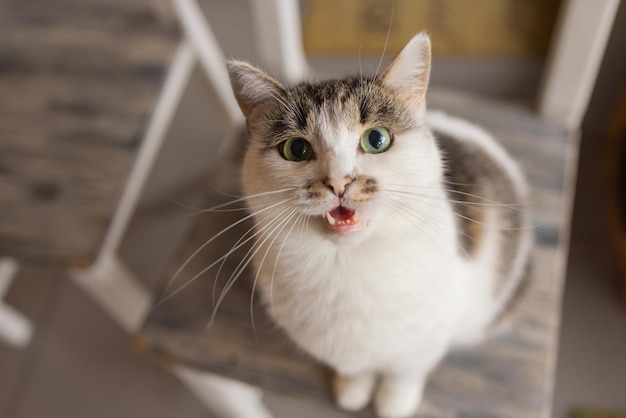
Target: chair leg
176,82
579,42
225,397
107,280
278,38
16,329
116,290
211,59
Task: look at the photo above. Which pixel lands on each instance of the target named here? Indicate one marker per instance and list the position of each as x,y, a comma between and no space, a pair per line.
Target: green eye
296,149
376,140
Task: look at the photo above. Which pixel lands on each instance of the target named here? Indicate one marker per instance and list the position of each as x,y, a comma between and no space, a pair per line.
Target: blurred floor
80,363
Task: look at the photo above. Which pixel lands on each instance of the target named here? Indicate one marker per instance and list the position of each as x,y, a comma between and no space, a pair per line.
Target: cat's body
380,244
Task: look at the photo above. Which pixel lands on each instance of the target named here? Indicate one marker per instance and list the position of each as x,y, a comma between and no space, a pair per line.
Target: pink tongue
341,214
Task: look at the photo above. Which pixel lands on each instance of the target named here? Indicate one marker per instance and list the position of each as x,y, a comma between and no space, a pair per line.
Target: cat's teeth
330,219
355,216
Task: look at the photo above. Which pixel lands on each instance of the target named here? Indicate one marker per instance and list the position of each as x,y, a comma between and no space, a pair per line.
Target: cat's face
336,154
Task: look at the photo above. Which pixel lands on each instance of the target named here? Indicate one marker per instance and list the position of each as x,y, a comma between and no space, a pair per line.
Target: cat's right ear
252,87
409,72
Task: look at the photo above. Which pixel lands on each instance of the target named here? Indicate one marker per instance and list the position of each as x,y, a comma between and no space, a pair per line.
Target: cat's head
338,153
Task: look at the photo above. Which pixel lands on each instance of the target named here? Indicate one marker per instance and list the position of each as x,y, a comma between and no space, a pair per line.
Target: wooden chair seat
512,374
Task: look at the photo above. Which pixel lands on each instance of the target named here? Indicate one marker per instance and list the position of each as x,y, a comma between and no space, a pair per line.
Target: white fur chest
360,307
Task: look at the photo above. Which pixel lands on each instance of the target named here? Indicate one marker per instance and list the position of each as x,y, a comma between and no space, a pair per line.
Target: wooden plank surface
77,83
511,375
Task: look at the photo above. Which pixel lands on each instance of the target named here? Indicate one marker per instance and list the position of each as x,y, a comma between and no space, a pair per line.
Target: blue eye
296,149
376,140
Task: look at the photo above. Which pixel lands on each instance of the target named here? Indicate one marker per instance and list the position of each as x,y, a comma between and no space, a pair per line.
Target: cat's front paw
398,399
353,392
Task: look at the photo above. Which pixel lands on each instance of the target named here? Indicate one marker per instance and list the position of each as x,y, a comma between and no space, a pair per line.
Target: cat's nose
338,184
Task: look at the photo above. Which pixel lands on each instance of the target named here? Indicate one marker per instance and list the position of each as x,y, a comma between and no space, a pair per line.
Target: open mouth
342,220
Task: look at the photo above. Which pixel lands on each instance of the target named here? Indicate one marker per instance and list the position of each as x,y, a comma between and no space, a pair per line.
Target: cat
389,234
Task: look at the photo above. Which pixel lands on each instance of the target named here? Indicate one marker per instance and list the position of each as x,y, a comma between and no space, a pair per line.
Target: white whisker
382,56
280,251
243,199
513,206
406,216
468,218
181,268
430,224
240,268
258,272
237,245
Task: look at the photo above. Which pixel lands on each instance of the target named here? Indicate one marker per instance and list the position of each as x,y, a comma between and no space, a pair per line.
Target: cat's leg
354,392
402,381
399,396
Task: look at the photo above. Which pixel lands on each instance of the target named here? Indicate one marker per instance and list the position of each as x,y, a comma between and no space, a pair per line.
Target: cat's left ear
409,72
252,87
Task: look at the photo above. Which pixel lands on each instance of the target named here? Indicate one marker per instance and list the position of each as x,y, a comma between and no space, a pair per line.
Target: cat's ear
409,72
252,87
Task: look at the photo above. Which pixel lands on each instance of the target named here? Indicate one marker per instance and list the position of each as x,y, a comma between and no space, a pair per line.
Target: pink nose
338,184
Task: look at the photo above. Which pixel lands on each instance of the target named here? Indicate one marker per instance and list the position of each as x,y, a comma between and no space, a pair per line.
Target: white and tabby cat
392,234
